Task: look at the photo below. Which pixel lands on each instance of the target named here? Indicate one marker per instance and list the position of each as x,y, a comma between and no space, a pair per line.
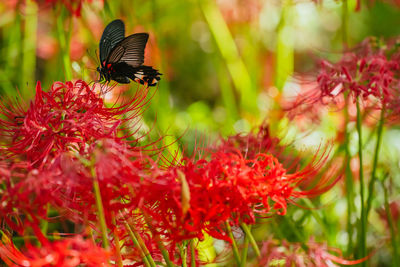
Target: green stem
315,213
244,251
348,173
192,254
285,46
375,163
389,217
100,208
183,252
117,245
29,47
349,181
235,249
146,257
253,242
230,54
345,15
362,233
64,45
160,245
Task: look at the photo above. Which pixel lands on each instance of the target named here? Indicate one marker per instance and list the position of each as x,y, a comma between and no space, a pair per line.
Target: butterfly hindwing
141,74
113,34
130,50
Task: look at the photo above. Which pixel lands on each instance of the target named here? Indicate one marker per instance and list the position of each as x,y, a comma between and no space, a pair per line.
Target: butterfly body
122,57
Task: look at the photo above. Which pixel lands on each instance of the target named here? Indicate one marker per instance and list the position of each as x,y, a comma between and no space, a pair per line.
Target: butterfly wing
113,34
130,50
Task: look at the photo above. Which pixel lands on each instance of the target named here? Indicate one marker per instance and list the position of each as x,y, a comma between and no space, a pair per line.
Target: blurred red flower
371,71
73,6
68,252
293,254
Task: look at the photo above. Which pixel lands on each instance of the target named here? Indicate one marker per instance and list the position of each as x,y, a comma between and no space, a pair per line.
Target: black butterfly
121,57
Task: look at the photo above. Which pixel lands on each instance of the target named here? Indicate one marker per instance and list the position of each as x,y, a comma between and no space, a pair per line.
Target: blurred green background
224,62
226,66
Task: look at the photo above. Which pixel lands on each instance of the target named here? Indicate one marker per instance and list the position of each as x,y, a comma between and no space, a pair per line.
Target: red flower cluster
68,252
202,195
367,72
69,117
256,142
293,254
372,72
68,139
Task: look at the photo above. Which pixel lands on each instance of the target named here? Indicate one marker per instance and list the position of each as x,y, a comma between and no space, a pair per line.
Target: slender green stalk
375,163
160,245
348,173
192,254
315,213
183,252
64,44
389,217
145,255
244,251
117,245
230,54
362,233
349,180
285,46
253,242
235,249
345,15
100,208
29,47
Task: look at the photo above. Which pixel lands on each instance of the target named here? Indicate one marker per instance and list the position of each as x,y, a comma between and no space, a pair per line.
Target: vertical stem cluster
64,40
375,162
229,51
389,218
362,230
285,46
29,46
235,249
138,242
100,208
349,182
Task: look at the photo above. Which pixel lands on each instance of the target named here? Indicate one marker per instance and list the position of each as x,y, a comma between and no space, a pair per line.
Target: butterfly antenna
97,57
92,57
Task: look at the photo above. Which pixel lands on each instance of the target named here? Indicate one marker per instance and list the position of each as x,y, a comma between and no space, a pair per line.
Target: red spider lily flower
371,72
23,194
252,143
69,117
201,195
70,176
68,252
293,254
256,142
66,184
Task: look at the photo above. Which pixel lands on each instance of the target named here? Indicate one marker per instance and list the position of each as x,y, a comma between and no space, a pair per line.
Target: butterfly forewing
113,34
130,50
